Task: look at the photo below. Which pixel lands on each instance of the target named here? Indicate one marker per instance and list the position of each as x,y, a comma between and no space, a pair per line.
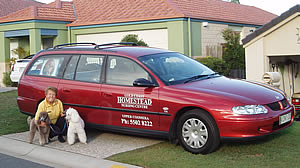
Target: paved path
53,157
100,145
6,89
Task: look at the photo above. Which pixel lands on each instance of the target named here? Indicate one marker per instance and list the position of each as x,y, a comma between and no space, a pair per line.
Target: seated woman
55,111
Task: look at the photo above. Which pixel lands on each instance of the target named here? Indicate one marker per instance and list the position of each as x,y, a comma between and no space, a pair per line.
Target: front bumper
254,127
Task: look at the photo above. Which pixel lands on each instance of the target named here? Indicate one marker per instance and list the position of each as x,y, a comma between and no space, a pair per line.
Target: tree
236,1
234,53
134,38
21,52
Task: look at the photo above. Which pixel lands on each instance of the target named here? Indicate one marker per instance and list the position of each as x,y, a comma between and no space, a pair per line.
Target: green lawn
11,120
278,150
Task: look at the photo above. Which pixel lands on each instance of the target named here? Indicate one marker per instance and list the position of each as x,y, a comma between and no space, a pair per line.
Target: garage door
154,38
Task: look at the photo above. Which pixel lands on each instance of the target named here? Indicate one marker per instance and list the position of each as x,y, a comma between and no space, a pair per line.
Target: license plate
285,118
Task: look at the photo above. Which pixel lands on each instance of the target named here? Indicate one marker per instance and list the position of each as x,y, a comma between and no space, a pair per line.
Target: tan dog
43,128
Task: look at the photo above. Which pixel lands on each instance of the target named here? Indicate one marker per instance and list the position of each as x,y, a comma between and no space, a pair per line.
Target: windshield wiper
193,78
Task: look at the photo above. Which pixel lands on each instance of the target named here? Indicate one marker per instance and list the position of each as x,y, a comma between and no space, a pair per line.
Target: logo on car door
134,101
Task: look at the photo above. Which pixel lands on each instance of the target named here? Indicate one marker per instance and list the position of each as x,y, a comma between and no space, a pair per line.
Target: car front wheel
197,132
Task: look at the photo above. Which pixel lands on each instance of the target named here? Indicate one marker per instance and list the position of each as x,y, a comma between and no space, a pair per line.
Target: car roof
133,51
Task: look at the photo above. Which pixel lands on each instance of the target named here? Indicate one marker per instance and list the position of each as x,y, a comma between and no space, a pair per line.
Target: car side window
71,67
46,66
123,71
89,68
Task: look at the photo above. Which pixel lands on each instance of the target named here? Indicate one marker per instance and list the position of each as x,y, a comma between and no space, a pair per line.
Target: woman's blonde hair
54,89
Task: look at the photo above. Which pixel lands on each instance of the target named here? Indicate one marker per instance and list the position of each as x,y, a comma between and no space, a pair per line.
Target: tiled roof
219,10
10,6
91,12
62,11
110,11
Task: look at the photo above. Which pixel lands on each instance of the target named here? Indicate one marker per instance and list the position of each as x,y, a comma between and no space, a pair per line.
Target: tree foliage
134,38
234,53
216,64
21,52
235,1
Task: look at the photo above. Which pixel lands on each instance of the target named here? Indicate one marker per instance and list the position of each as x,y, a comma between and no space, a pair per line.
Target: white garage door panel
154,38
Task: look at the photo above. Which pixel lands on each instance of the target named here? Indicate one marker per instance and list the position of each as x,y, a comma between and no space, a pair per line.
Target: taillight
296,101
13,67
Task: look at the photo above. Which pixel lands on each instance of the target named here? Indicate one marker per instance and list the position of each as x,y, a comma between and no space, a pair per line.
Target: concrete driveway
100,145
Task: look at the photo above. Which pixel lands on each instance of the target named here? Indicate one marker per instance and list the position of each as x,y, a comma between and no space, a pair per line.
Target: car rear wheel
197,132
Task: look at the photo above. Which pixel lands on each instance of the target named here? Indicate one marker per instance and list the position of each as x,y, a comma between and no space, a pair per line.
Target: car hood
241,91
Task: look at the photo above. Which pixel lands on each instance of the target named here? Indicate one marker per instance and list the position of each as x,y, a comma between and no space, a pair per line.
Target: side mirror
142,82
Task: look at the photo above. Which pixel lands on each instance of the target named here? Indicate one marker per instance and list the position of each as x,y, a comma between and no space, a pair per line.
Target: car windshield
174,68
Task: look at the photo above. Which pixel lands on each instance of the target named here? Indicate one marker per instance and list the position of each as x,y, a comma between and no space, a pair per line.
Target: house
7,7
275,47
192,27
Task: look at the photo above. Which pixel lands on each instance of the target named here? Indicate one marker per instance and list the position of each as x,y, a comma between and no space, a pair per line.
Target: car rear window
46,66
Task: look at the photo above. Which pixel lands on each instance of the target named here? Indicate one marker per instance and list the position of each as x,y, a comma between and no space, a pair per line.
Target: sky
274,6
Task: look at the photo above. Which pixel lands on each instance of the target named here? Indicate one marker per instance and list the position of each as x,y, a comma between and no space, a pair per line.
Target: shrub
6,79
234,53
134,38
216,64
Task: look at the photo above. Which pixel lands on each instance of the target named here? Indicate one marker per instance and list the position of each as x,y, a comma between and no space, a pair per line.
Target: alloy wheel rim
194,133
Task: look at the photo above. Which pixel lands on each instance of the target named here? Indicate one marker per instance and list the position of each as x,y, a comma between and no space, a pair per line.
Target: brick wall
212,39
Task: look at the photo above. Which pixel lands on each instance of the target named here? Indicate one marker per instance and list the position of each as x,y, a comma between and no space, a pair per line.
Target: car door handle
66,90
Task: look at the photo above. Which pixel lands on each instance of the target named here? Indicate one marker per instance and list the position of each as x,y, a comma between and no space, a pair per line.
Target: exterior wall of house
196,40
283,41
255,61
62,37
276,46
35,40
13,45
3,68
154,38
178,36
212,39
4,55
177,33
32,42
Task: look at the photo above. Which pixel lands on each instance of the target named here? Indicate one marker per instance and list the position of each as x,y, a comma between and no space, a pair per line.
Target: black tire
197,132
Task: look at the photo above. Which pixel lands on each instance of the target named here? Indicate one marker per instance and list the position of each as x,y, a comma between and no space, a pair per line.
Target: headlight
250,109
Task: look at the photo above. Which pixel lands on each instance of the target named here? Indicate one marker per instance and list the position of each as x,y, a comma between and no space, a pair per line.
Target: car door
43,72
130,106
80,87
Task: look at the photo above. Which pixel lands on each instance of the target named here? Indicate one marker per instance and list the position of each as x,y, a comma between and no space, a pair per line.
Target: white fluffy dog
76,126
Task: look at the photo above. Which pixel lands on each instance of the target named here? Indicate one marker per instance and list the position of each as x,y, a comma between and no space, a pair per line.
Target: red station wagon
154,92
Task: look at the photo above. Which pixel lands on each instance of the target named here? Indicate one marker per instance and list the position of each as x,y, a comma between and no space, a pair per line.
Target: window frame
60,71
138,64
77,63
